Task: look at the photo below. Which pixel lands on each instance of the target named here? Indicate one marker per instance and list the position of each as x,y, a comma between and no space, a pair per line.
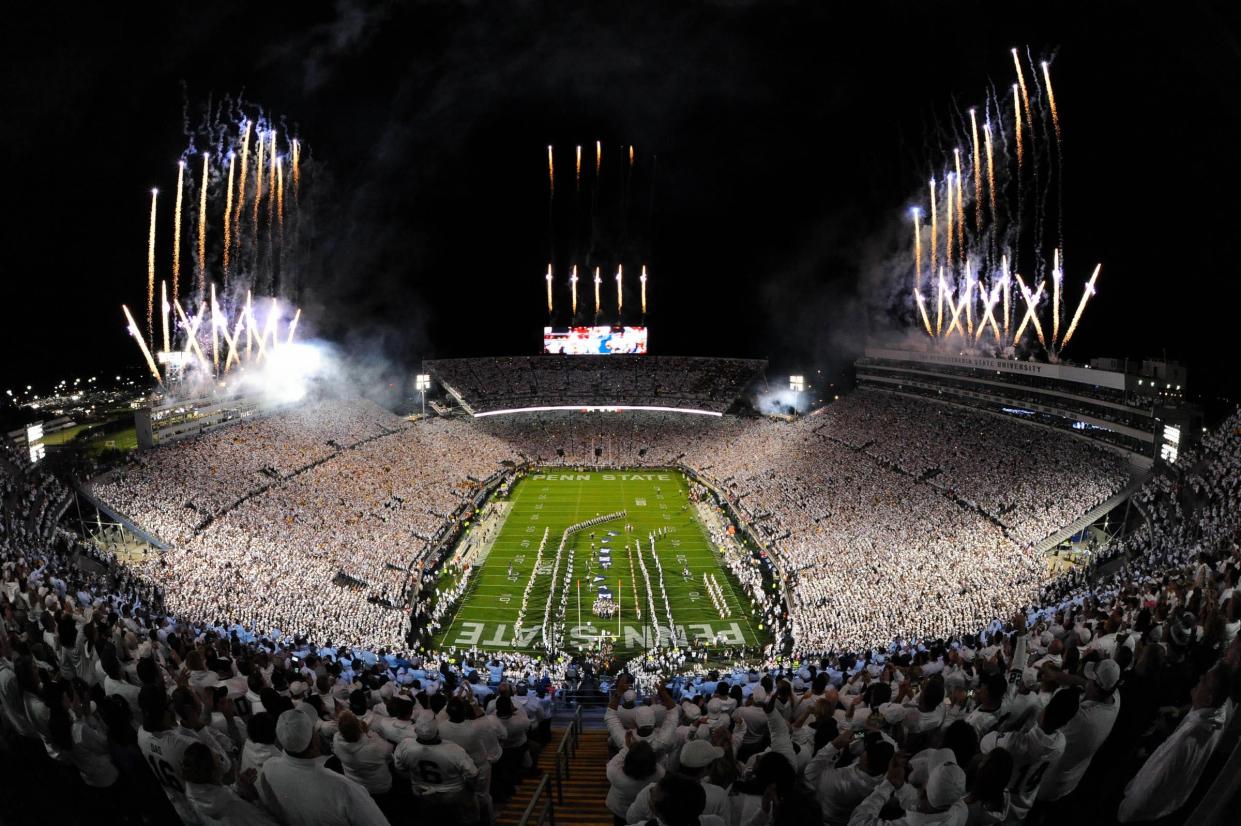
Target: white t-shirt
435,768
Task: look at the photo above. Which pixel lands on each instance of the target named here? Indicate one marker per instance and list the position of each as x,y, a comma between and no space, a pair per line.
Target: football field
607,559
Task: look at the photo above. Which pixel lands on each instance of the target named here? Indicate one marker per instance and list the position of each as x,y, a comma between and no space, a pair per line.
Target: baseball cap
1029,677
629,696
294,730
644,717
692,712
759,694
1105,672
426,728
945,785
699,753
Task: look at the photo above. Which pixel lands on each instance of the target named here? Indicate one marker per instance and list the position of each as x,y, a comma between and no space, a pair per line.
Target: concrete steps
585,789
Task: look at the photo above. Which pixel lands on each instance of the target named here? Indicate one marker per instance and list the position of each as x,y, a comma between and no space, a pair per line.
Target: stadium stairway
584,785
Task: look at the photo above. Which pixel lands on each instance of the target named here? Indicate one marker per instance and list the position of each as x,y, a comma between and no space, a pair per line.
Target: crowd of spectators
886,518
511,382
1114,700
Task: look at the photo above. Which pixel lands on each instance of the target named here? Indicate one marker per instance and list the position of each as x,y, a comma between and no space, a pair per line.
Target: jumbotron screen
586,341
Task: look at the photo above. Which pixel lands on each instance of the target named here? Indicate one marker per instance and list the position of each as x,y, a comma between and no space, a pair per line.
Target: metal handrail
546,814
542,798
566,751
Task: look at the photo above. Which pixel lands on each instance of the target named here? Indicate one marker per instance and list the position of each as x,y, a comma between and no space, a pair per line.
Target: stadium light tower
797,384
422,383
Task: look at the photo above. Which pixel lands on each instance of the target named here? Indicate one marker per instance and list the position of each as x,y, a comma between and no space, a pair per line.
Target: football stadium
979,577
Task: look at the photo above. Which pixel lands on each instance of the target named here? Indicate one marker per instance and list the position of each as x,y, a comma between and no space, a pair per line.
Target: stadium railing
542,809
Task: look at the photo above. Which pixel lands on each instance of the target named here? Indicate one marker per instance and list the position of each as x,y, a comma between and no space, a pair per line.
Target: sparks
150,275
977,172
176,232
228,214
202,226
1081,306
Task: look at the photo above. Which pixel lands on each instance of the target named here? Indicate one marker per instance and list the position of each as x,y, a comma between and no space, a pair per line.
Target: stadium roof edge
598,408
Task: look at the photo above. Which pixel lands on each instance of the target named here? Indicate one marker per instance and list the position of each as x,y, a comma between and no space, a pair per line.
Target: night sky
791,139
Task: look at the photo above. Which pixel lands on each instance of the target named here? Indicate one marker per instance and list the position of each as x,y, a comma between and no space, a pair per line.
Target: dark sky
791,138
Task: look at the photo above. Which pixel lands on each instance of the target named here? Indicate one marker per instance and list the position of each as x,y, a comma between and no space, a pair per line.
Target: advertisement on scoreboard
580,341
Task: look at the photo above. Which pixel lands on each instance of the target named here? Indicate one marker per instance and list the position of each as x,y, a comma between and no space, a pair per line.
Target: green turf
560,497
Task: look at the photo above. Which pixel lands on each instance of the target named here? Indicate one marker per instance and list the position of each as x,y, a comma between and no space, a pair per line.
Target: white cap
425,727
692,712
1105,672
294,730
699,753
629,696
945,786
759,694
644,717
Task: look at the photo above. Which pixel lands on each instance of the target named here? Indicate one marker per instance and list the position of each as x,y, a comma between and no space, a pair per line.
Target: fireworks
202,227
137,334
1081,306
549,288
150,271
228,213
573,286
977,172
598,283
577,169
280,192
631,157
163,310
948,250
551,170
917,249
241,188
986,131
975,279
176,232
643,280
598,157
297,176
187,330
620,289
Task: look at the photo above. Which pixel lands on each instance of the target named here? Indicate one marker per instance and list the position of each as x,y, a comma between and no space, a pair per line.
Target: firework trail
241,187
1025,94
643,280
598,282
977,172
163,309
271,183
939,311
146,353
631,157
960,211
258,192
176,232
202,226
934,229
577,179
150,278
969,299
1031,315
1006,282
1017,130
280,192
549,288
297,169
228,213
986,131
926,322
1051,100
551,171
1056,277
598,157
948,243
955,321
917,250
1081,307
215,331
620,290
573,284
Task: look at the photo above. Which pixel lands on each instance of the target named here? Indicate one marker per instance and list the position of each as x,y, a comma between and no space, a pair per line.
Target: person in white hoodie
217,804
